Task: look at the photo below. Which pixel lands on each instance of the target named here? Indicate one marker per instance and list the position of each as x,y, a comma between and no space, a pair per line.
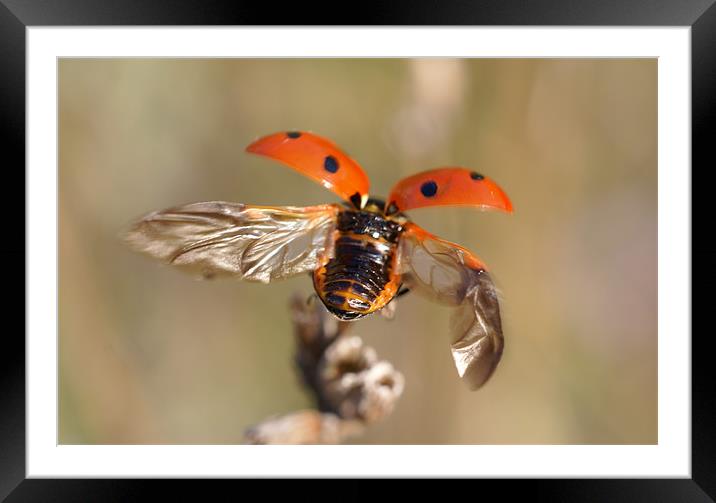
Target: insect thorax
369,224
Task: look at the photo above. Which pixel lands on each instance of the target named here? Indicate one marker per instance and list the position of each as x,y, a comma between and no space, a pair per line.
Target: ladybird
361,254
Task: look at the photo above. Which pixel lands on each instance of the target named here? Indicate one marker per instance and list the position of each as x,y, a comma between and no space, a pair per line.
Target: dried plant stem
351,386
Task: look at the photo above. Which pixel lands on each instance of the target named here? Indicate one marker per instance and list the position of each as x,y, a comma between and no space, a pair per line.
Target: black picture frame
17,15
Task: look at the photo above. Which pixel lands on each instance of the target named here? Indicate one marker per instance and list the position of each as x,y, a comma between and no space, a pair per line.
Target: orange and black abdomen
360,278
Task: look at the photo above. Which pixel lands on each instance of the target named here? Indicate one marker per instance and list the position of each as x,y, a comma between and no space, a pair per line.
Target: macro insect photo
371,251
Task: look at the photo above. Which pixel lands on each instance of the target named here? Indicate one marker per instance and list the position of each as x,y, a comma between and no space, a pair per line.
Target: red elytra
317,158
321,160
451,186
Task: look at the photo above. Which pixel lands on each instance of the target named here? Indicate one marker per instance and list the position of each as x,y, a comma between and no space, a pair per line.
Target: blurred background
151,355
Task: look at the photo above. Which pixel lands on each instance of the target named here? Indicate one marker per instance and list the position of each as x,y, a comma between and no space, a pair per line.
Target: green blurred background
151,355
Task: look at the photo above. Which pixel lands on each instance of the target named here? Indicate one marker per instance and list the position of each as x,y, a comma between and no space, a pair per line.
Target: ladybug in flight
361,254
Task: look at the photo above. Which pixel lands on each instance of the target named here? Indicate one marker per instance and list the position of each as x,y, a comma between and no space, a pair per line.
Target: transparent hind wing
254,243
451,275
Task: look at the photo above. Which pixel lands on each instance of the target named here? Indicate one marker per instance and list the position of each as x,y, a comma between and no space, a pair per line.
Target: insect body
361,254
361,276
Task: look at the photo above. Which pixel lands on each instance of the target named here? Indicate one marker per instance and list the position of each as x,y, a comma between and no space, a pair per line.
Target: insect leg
388,311
311,299
402,291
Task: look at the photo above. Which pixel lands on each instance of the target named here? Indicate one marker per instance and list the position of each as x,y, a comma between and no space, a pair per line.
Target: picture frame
17,16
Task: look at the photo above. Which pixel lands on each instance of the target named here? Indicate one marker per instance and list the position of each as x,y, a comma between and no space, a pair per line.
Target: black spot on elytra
476,176
330,164
293,134
429,189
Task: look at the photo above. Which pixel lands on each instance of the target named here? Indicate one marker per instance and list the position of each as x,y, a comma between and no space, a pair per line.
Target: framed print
574,322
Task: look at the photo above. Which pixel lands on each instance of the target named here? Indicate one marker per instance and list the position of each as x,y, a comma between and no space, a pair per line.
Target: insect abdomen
359,279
